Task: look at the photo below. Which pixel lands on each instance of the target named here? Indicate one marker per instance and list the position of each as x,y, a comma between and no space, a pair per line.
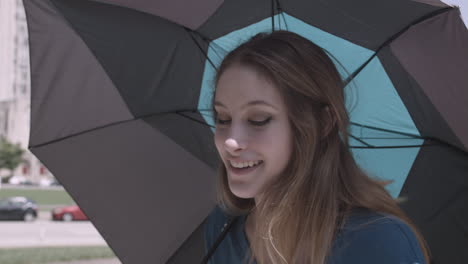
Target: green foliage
45,198
11,155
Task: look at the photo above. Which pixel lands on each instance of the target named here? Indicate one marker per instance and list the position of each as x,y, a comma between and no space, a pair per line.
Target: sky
463,4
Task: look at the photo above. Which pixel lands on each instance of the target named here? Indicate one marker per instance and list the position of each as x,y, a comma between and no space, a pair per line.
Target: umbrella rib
398,138
280,13
283,16
360,140
388,130
113,124
418,20
272,15
279,17
207,41
214,44
394,147
440,142
275,6
193,119
191,32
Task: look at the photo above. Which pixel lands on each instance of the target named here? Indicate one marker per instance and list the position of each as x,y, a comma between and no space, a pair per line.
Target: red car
68,213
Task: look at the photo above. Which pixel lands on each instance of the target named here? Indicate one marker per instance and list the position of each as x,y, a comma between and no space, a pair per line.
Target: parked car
68,213
18,208
17,179
29,183
55,183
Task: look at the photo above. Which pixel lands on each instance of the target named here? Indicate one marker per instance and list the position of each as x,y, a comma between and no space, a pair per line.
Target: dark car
68,213
18,208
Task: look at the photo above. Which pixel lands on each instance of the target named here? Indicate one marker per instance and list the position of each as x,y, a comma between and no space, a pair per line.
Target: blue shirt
366,238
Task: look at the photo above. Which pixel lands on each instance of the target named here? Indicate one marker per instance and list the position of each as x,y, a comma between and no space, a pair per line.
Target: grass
52,254
43,197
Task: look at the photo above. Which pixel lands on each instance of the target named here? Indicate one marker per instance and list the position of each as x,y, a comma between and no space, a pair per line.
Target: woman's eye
222,121
260,123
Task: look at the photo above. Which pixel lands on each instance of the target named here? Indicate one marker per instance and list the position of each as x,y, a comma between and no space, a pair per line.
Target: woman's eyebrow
259,102
251,103
218,103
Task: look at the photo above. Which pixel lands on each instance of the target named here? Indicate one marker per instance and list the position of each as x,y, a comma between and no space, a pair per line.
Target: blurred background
40,221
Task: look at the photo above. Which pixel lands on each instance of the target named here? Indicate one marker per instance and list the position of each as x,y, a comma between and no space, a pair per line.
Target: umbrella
121,94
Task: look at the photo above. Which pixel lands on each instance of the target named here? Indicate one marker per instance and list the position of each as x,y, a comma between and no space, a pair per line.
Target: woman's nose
233,146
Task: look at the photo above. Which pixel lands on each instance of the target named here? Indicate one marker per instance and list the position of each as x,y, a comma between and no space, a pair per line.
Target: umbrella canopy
121,93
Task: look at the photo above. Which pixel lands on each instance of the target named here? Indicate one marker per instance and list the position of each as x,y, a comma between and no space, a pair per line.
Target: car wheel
67,217
29,216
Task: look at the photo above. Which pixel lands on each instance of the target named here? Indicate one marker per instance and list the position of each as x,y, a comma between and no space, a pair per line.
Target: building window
43,170
25,170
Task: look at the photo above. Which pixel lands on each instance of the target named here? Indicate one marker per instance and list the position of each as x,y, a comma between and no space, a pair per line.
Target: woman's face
253,135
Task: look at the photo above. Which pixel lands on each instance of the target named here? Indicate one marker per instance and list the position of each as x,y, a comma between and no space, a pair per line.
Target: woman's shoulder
214,224
371,237
218,217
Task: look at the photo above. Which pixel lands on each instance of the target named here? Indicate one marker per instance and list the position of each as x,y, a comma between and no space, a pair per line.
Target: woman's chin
242,192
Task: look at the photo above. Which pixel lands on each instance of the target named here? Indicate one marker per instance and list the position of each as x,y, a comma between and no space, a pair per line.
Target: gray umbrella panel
137,186
79,86
188,13
435,46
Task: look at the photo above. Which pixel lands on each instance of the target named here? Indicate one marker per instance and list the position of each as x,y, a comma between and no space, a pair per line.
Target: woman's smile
243,168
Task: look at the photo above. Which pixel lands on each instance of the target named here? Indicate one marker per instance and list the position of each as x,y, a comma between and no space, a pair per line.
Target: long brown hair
300,212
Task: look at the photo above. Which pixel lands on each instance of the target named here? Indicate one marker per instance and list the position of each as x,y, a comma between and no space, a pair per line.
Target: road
44,233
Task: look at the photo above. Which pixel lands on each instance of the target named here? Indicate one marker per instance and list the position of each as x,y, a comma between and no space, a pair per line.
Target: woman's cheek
218,138
261,136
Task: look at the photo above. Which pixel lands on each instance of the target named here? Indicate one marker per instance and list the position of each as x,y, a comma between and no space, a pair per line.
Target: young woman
287,174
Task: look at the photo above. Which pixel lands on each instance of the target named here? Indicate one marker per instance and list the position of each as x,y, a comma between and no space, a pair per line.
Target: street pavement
46,233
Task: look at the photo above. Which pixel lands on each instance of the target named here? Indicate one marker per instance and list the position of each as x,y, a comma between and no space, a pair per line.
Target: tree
11,156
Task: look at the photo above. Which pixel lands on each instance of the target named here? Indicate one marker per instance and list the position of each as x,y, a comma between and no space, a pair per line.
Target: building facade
15,86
